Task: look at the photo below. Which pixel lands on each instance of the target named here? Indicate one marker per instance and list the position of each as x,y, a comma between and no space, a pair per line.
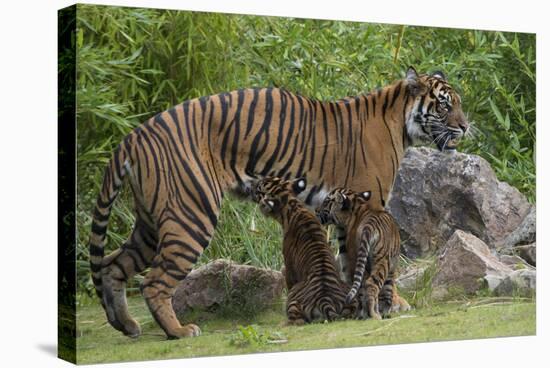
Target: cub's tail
361,265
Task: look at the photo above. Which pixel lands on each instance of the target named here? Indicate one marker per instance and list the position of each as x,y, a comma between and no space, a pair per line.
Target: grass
98,342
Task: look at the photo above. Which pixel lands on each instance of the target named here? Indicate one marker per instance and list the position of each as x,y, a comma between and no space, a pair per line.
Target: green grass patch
98,342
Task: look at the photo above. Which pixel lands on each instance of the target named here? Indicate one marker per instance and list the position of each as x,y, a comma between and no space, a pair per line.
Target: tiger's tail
360,267
112,181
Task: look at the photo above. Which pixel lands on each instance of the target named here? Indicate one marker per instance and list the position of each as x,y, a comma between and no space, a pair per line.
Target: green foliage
133,63
422,294
251,336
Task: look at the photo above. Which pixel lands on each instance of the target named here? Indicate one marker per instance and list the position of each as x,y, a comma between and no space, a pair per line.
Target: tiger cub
315,290
373,243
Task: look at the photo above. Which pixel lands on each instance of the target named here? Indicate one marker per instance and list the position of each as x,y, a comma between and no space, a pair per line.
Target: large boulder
467,263
223,283
436,193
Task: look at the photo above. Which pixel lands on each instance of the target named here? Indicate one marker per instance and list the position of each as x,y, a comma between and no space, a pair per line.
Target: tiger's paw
190,330
132,329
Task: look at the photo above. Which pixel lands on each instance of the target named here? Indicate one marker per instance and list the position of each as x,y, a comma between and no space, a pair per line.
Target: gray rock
514,262
518,283
466,262
528,252
525,233
225,283
437,193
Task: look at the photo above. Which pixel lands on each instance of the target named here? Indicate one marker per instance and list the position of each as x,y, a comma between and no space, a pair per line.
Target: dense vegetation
133,63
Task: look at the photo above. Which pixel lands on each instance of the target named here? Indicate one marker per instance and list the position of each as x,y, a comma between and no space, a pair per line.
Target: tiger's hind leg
181,242
117,268
373,285
294,308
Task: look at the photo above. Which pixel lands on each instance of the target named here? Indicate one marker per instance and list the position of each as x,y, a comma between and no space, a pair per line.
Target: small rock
467,262
528,252
525,233
514,262
223,282
519,282
436,193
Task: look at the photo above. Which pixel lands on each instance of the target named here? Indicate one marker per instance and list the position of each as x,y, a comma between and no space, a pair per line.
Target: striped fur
315,290
180,163
373,236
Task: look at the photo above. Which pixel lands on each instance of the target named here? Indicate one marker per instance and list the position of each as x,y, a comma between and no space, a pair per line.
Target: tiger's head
272,193
436,115
339,204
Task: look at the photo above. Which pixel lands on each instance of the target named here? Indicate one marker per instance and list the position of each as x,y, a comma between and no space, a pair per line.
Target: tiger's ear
299,185
439,75
414,84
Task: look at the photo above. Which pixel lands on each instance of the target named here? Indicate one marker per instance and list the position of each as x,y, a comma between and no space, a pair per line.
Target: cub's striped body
373,243
315,290
180,163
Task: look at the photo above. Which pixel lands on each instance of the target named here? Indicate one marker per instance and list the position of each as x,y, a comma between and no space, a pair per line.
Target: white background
28,179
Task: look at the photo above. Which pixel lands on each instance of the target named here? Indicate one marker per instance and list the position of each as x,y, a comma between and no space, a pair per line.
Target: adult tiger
181,162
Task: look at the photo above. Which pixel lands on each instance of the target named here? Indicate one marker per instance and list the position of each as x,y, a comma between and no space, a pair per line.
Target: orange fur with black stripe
180,163
373,243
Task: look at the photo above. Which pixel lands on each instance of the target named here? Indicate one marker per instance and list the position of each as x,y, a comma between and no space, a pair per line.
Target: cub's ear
411,75
299,185
270,205
439,75
346,202
414,84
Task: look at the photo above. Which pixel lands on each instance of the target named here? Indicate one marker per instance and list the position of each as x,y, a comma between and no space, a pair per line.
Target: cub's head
338,205
436,115
273,193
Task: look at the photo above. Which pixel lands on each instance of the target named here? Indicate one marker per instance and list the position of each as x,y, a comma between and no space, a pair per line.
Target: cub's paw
399,304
